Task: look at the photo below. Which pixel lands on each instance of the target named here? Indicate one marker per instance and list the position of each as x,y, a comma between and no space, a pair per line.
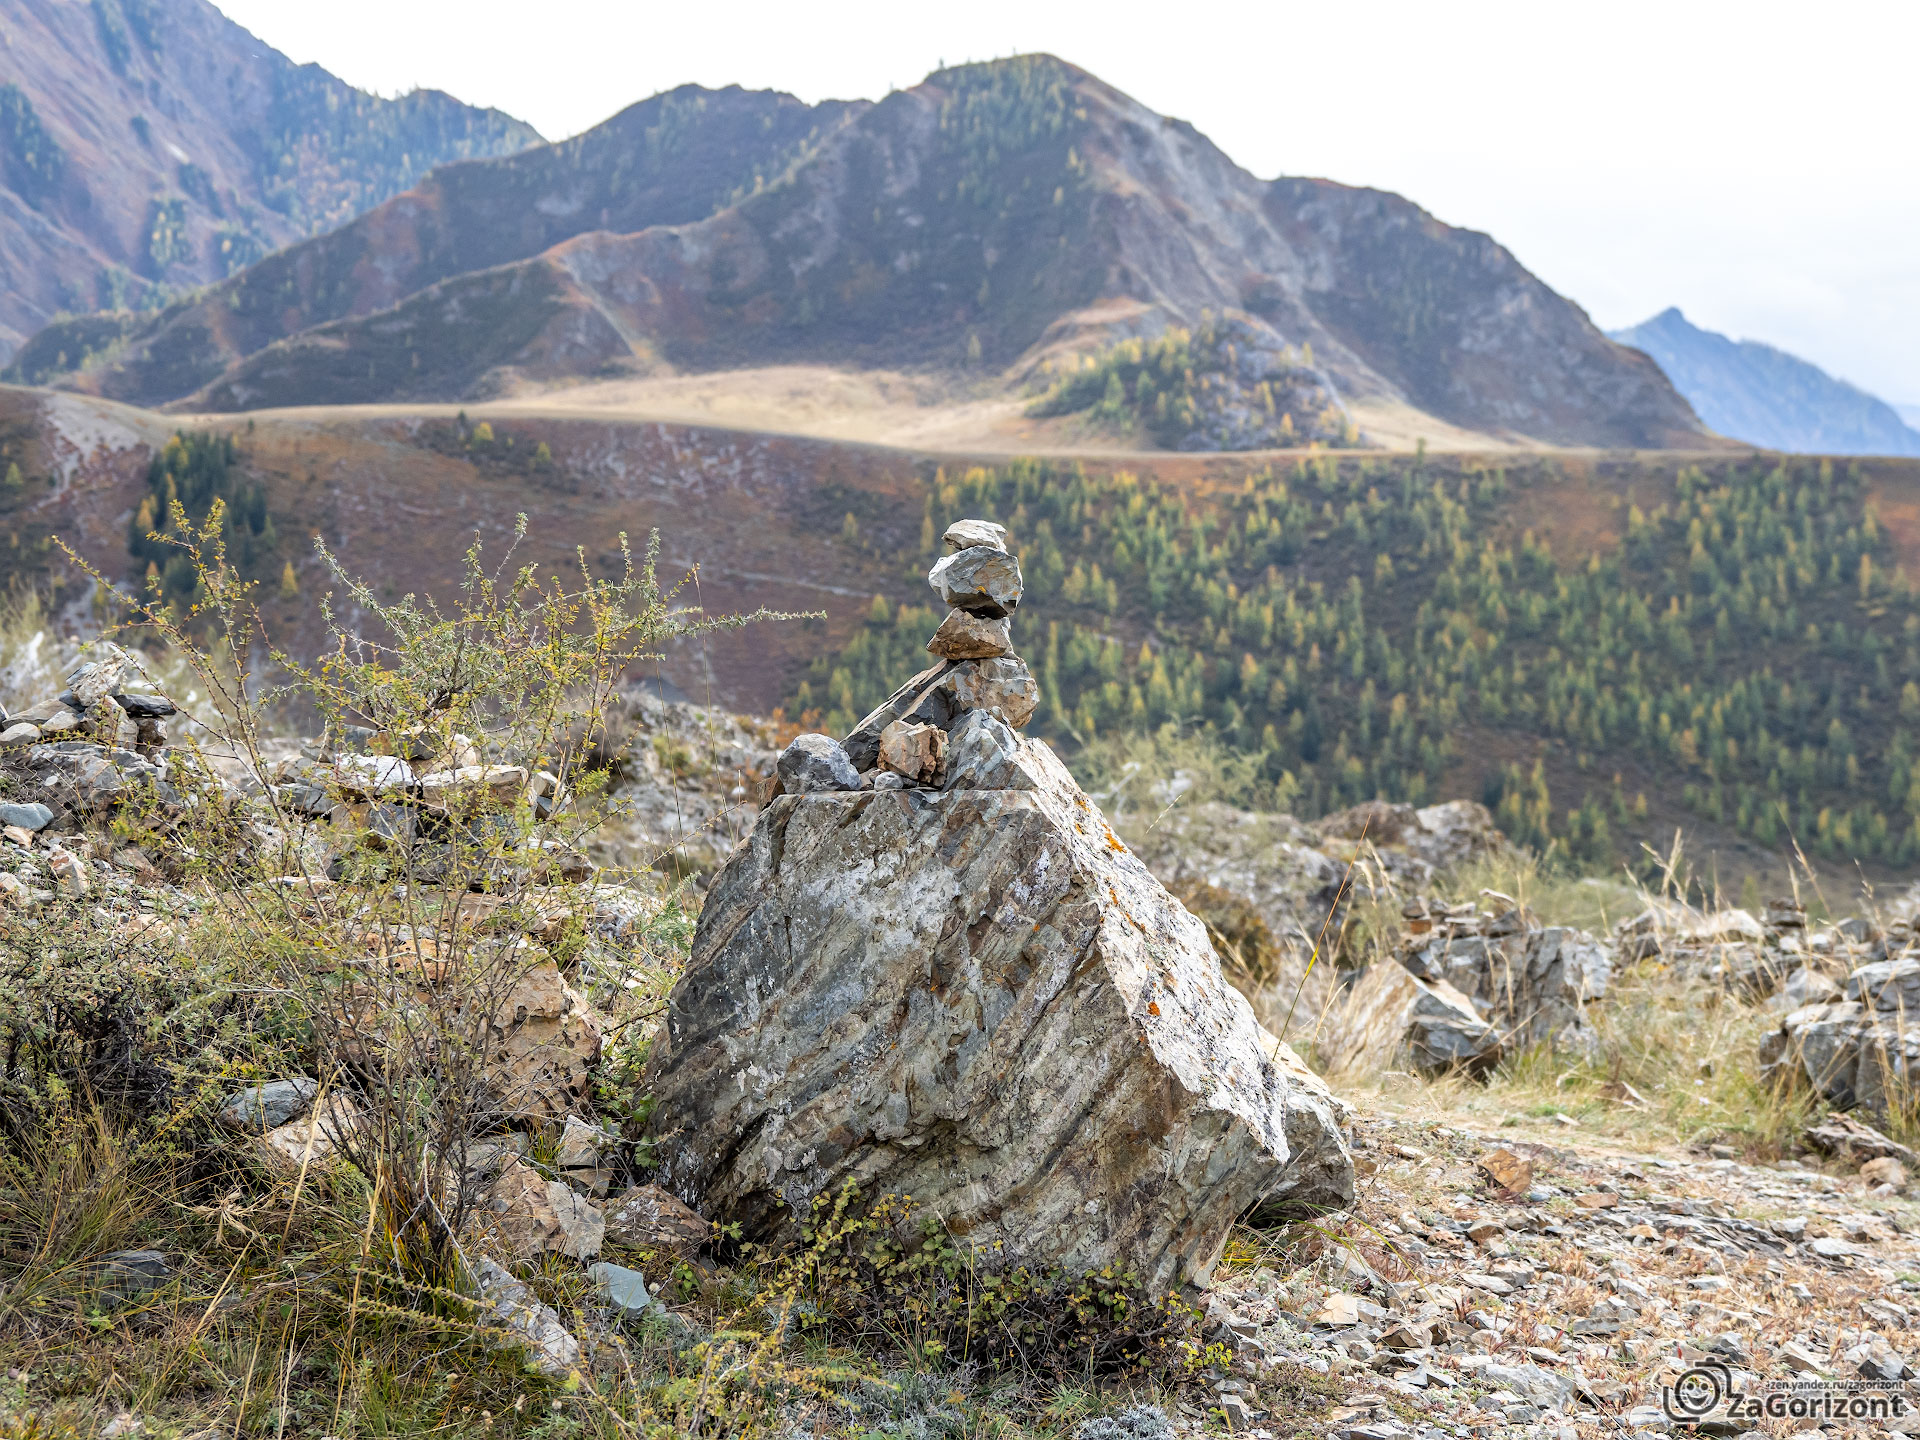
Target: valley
1603,646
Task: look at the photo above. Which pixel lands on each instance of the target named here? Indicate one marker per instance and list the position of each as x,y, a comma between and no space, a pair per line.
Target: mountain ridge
1749,390
1006,217
152,145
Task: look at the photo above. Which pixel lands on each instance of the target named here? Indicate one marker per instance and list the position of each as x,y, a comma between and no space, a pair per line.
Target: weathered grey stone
984,753
1318,1180
814,763
982,580
33,817
583,1229
1533,982
99,678
923,700
626,1290
551,1350
1002,686
966,534
267,1107
913,752
20,733
146,707
970,637
648,1218
1847,1052
1887,985
980,999
127,1273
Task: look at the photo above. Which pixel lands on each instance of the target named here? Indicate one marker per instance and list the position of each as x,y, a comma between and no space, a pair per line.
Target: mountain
151,146
1000,218
1753,392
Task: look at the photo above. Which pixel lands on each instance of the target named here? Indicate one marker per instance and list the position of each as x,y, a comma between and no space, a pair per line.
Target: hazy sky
1754,163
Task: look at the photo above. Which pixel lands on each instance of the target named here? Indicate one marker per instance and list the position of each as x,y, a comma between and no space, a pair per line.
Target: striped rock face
981,999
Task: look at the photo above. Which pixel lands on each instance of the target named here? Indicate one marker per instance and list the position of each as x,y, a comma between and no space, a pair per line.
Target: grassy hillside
1604,649
1737,645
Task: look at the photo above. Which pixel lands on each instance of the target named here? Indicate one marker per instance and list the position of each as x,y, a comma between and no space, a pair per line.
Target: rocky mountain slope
991,219
1753,392
151,146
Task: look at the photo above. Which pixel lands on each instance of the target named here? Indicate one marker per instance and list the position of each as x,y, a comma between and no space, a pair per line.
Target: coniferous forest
1747,648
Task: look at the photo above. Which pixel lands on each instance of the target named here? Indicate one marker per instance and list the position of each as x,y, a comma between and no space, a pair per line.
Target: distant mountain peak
998,218
1751,391
147,149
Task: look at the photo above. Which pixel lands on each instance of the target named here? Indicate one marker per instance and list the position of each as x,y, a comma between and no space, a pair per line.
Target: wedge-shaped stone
982,579
970,637
981,999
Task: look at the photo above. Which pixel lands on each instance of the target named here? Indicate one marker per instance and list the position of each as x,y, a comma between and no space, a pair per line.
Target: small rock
31,817
13,892
1789,1227
647,1217
314,1138
551,1350
913,752
1507,1171
626,1290
123,1427
20,733
1001,686
268,1107
59,723
1800,1358
127,1273
970,637
582,1227
1597,1200
981,580
69,872
815,763
1884,1171
966,534
146,707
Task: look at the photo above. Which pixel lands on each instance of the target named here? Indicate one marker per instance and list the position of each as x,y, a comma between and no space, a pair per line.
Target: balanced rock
962,636
966,534
981,999
913,752
983,580
813,763
939,696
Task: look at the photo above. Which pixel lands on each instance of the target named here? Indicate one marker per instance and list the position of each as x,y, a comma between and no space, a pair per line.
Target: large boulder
979,998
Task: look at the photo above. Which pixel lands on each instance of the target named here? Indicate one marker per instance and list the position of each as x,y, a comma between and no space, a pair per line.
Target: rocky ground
1562,1164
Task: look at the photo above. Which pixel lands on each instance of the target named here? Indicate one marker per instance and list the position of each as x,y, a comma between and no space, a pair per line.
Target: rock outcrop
965,988
1469,987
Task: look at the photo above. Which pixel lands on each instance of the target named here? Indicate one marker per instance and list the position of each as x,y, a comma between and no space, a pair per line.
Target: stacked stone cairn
952,724
933,970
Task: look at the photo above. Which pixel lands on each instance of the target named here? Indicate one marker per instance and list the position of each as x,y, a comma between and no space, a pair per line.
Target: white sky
1754,163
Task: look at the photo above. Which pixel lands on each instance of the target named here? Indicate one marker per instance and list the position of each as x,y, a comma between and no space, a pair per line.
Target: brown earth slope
992,219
